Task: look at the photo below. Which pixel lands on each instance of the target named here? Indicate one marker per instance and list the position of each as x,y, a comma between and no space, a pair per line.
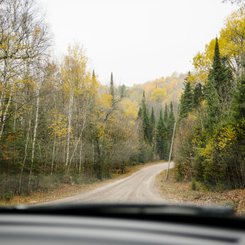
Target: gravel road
136,188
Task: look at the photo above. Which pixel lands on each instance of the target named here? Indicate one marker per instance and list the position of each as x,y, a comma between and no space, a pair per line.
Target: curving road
136,188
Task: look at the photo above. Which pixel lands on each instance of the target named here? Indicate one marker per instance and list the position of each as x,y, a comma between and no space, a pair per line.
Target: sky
137,40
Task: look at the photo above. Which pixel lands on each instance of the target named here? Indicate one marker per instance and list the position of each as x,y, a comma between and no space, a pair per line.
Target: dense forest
58,124
209,146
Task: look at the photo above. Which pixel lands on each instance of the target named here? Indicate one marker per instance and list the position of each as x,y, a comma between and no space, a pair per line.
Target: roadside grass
67,189
194,193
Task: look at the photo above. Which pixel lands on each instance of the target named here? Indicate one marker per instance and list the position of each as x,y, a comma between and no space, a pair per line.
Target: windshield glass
122,101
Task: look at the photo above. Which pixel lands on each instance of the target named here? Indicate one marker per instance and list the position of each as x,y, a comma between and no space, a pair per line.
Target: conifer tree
140,113
122,90
145,120
112,92
197,95
221,77
215,73
161,138
238,107
152,126
153,117
165,118
218,90
186,100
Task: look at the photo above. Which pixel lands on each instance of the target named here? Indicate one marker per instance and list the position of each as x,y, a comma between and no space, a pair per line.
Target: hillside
161,90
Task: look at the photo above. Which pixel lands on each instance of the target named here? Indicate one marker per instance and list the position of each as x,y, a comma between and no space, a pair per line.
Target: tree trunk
80,157
53,156
69,130
34,136
25,155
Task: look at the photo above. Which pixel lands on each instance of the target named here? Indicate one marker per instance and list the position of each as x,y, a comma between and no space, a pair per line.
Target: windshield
122,102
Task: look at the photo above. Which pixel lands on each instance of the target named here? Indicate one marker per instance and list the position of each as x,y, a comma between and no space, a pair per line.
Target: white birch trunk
34,135
78,140
80,157
69,128
25,156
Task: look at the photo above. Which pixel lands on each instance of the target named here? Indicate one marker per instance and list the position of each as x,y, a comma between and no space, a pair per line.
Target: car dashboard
132,225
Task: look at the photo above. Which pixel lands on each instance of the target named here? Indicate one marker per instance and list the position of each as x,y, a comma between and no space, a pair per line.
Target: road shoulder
181,192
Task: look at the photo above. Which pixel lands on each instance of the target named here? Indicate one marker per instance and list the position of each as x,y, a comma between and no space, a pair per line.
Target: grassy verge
182,192
67,190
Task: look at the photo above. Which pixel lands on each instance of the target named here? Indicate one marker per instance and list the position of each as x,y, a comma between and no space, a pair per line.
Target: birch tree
23,38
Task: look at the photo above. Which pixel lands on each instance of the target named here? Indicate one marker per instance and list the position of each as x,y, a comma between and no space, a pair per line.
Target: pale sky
137,40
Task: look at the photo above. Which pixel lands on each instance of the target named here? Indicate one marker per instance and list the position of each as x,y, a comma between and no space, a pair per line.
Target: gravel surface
136,188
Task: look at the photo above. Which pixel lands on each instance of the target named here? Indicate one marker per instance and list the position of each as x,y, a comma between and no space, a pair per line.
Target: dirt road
136,188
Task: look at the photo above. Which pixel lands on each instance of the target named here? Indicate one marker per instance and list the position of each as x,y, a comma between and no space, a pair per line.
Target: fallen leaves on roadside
181,192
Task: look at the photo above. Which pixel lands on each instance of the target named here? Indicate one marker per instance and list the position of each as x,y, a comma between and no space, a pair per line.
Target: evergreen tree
122,91
216,67
152,126
213,103
171,120
197,95
165,118
186,100
218,90
112,92
221,77
238,107
153,121
145,120
161,138
140,113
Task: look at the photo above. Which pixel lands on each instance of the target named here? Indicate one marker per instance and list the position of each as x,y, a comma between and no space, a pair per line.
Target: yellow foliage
59,125
36,32
130,108
104,101
207,150
26,82
233,35
158,94
231,44
226,137
100,129
74,75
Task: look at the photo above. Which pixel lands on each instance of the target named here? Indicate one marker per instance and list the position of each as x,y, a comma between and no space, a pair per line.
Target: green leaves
209,145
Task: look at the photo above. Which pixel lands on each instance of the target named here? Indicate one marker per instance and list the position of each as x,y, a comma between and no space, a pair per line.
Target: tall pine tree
218,90
165,118
186,100
161,138
145,120
112,91
221,78
197,95
152,126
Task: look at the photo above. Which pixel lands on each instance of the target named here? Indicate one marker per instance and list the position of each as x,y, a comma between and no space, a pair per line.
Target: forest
59,124
209,146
